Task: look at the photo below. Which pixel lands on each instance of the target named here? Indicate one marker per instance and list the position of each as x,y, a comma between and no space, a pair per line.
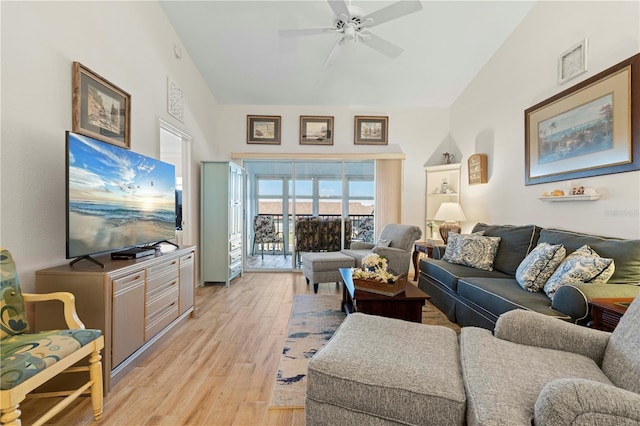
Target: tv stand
87,257
136,303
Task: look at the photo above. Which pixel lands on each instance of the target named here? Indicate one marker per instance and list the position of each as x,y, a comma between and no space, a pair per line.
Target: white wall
417,132
489,118
129,43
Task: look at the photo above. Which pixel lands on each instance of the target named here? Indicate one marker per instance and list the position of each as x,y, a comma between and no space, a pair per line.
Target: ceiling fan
352,24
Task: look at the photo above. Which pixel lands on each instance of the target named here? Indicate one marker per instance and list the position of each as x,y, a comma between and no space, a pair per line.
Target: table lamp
450,213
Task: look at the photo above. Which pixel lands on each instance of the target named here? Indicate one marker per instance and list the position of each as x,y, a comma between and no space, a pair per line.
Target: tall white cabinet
221,221
442,186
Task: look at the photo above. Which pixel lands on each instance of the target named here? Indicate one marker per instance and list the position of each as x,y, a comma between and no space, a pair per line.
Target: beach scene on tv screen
117,198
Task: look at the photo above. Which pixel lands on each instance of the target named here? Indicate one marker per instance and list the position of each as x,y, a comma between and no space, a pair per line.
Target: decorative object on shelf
371,130
589,129
374,277
433,233
477,164
572,62
451,214
447,158
263,129
100,109
583,197
175,100
316,130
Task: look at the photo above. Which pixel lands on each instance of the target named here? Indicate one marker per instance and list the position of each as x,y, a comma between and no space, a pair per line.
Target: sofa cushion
505,392
447,274
582,266
539,265
25,355
502,295
625,253
475,251
516,243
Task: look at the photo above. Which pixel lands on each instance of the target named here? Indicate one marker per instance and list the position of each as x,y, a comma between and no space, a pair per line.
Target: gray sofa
474,297
395,243
534,370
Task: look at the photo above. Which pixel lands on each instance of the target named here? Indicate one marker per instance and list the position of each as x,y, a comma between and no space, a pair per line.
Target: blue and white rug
314,319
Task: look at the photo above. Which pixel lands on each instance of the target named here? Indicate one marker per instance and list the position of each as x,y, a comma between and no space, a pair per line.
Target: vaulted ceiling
244,60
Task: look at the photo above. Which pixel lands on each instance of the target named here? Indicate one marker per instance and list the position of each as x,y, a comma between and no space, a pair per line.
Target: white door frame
187,199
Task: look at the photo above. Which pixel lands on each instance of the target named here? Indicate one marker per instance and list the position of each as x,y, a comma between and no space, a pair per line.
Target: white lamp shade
450,212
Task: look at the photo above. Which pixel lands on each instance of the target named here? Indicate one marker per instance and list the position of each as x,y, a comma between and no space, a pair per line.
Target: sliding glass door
282,193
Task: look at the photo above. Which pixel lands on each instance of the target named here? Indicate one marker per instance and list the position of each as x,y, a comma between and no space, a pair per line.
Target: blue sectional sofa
474,297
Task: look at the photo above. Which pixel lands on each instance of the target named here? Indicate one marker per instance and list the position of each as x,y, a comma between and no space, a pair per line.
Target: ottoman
384,371
323,267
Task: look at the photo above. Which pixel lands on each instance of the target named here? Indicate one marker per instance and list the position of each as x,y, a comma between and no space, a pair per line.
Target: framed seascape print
371,130
100,109
590,129
263,129
316,130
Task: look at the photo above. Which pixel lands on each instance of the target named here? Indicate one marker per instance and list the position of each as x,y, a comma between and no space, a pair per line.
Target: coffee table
405,306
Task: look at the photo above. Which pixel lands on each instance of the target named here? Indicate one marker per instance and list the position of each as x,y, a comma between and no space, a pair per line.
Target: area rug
314,319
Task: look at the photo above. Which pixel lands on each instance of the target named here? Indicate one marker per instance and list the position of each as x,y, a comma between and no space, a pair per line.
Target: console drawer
163,277
160,320
235,245
161,299
124,283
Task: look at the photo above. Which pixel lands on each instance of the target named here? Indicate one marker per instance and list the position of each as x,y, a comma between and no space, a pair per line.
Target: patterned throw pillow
476,251
534,271
453,244
582,266
13,318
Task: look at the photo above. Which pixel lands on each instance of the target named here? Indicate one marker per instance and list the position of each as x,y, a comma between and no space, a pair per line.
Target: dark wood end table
405,306
420,247
606,312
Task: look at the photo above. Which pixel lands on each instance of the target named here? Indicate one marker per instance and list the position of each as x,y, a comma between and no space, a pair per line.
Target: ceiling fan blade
335,52
305,32
339,7
393,11
381,45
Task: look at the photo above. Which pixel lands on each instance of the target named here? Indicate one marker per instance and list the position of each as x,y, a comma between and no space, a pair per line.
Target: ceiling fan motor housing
355,18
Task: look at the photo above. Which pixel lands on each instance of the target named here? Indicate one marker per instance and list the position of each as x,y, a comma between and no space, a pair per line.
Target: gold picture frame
316,130
590,129
100,109
371,130
263,129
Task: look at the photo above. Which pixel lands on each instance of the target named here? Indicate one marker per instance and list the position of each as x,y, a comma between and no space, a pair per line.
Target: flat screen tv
116,198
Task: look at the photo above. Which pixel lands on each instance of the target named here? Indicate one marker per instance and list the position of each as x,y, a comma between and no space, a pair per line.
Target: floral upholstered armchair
29,359
264,232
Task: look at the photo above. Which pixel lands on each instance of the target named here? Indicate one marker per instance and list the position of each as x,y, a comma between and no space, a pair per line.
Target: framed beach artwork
263,129
316,130
371,130
100,109
590,129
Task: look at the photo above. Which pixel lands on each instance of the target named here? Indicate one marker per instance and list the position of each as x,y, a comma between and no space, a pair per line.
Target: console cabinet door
187,282
128,316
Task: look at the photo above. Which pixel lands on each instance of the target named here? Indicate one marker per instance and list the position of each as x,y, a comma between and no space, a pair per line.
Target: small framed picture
100,109
371,130
263,129
572,62
316,130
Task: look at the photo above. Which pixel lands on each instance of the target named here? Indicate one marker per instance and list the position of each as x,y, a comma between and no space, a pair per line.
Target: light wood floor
217,369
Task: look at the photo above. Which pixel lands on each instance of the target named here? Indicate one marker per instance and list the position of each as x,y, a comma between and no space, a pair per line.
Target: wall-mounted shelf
592,197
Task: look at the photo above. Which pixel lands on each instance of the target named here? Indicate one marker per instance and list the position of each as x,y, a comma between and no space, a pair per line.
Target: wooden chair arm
69,303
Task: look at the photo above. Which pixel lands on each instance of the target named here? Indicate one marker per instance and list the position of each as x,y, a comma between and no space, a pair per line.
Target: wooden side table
420,247
606,313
